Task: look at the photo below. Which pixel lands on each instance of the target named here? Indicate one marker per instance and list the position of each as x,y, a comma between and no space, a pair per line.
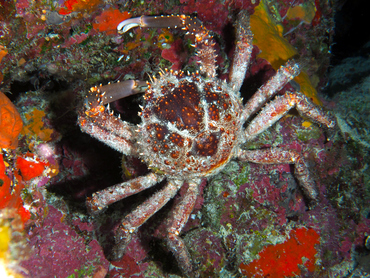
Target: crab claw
130,23
101,95
187,23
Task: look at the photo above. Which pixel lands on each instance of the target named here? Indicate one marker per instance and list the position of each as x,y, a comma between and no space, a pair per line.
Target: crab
192,126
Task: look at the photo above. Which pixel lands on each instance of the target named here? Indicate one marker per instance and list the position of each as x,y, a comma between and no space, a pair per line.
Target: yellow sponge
268,36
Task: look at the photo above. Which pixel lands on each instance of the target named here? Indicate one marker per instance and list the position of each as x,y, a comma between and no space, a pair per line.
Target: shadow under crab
192,126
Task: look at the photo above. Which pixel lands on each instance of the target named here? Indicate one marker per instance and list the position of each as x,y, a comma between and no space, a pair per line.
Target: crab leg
101,124
179,218
141,214
280,156
119,140
109,130
277,108
267,91
112,194
203,40
243,51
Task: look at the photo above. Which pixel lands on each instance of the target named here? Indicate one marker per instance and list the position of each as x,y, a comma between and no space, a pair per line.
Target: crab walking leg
109,130
179,219
277,108
141,214
106,121
112,194
243,51
203,40
280,156
285,74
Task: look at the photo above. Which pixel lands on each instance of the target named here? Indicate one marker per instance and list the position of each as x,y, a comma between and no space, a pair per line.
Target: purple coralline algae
62,249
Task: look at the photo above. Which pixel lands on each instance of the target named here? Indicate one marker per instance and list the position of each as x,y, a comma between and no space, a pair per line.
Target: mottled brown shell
190,125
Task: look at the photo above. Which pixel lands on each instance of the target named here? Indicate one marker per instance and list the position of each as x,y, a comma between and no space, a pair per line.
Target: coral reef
51,52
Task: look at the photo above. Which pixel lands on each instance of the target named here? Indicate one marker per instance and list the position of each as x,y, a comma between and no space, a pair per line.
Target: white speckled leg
141,214
109,130
277,108
267,91
180,217
243,51
281,156
112,194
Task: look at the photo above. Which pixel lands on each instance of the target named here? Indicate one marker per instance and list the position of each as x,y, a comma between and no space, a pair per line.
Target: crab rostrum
192,126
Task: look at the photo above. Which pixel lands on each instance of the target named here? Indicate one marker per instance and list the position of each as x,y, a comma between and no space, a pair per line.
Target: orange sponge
78,6
109,19
284,259
10,123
